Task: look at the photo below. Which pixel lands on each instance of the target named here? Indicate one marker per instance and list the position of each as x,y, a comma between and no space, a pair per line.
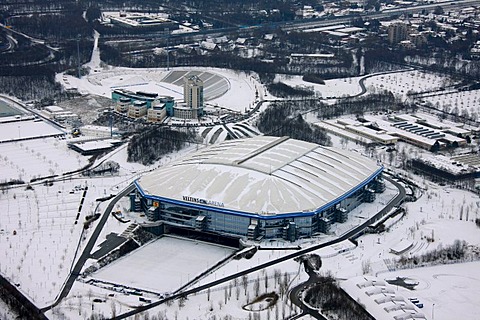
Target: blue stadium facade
224,190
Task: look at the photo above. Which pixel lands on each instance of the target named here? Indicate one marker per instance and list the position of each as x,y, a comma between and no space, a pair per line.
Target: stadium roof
261,176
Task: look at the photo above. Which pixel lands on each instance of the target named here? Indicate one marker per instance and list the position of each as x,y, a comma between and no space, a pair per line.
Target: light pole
78,57
167,31
433,311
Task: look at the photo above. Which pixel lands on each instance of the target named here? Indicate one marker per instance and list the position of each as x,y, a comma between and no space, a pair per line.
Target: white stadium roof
261,176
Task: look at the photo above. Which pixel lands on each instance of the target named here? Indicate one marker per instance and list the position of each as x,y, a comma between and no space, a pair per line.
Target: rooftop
263,175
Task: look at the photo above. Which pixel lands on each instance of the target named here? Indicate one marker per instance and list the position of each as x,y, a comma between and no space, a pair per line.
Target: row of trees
439,54
382,101
27,69
282,111
280,89
284,119
271,57
47,26
443,254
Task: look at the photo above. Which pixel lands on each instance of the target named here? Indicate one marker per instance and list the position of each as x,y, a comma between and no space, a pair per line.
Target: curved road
295,293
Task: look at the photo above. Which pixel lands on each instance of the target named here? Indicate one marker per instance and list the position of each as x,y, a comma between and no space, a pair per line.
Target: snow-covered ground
35,158
238,96
163,265
462,102
334,88
5,312
39,236
343,260
401,83
447,292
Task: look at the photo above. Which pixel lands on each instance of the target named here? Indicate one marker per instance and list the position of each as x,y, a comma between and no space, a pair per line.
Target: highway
353,233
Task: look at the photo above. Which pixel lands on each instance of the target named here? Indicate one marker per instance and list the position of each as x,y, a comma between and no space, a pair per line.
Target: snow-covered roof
92,145
54,109
262,175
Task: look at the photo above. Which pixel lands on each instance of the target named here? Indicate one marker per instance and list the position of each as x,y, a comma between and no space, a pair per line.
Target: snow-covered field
447,292
22,129
334,88
39,234
463,102
35,158
400,83
163,265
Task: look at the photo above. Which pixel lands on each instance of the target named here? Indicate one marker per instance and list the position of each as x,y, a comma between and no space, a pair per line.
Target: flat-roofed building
397,32
98,131
137,109
157,114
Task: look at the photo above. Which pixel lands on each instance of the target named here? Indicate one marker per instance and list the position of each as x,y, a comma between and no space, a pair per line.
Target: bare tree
256,287
237,292
113,308
245,282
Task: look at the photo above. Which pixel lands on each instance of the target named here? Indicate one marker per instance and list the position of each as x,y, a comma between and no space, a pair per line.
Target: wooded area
283,119
332,301
150,145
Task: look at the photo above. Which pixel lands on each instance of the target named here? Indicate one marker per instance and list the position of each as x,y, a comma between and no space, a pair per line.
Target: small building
120,96
157,114
59,114
99,131
449,169
137,109
92,147
183,112
122,105
209,46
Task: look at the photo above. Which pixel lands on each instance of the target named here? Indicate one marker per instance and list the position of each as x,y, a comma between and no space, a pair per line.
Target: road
334,20
52,51
296,292
353,233
88,248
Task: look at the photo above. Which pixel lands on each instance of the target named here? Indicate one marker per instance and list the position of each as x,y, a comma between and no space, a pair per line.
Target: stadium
259,188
